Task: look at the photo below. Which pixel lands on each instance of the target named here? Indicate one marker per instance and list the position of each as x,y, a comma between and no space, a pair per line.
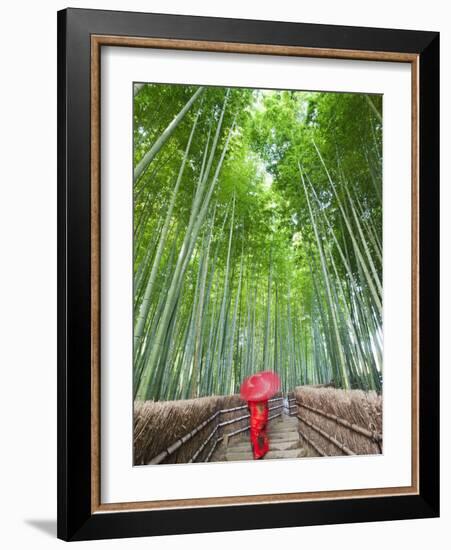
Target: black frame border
75,520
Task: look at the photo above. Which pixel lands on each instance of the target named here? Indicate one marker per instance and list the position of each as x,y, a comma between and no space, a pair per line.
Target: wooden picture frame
81,35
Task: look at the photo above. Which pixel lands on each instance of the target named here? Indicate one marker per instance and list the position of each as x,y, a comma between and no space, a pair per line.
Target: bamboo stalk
150,155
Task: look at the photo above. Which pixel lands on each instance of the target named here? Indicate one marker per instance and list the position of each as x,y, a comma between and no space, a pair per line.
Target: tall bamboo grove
257,239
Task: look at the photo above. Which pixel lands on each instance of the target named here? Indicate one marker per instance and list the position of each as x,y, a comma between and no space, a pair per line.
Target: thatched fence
338,422
191,430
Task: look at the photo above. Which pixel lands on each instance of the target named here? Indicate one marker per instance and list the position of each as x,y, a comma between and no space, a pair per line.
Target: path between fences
284,442
311,421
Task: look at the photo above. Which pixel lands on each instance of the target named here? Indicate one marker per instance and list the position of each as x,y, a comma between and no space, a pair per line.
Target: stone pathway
284,442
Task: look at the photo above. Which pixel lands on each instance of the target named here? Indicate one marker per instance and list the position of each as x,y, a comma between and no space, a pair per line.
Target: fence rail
334,441
373,435
240,430
292,406
187,437
279,405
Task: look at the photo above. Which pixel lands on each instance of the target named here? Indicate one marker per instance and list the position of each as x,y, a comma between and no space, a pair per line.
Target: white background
120,482
28,274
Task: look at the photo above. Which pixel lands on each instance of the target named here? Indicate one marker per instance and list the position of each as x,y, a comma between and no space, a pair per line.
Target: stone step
281,429
293,453
273,445
288,436
276,437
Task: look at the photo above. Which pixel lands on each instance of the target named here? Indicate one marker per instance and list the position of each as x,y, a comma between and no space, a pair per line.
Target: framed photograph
248,274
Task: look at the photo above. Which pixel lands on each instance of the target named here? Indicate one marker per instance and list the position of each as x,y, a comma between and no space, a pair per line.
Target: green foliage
260,270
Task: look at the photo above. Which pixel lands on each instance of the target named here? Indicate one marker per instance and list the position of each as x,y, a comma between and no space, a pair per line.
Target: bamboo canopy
257,240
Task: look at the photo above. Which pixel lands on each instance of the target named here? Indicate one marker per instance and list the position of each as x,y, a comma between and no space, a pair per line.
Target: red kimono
258,423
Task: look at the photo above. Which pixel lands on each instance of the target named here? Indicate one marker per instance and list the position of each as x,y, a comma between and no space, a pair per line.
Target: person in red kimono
256,390
258,423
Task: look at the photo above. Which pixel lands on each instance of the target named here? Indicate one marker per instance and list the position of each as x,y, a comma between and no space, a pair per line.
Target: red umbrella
260,386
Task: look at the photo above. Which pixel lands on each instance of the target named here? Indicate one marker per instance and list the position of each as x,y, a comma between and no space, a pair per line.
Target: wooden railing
292,408
217,433
215,430
372,435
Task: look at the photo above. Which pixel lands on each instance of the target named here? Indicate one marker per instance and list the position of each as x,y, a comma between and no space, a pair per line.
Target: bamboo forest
257,239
